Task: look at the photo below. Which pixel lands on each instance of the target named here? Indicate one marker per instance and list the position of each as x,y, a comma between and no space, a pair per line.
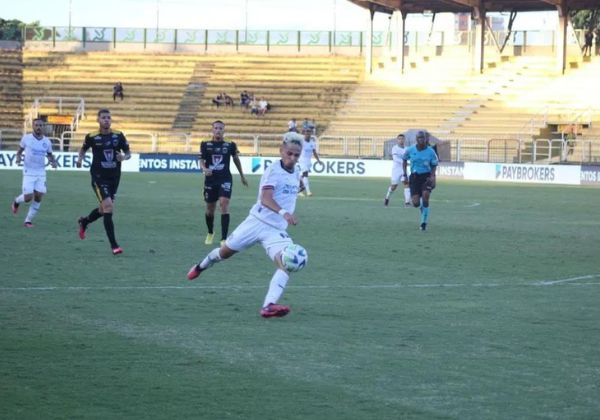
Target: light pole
246,23
334,17
70,10
157,16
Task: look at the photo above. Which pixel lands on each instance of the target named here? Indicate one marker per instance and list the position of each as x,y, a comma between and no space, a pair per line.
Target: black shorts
105,187
419,183
214,190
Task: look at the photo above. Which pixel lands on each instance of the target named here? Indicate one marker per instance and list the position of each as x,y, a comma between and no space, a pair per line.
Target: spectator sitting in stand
245,99
253,106
292,126
227,100
263,106
219,100
117,91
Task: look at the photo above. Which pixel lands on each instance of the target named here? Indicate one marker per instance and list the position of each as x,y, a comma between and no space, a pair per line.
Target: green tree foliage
10,30
584,19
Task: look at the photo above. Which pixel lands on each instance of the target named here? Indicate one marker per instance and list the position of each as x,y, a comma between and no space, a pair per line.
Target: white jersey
397,153
285,187
397,170
308,147
35,154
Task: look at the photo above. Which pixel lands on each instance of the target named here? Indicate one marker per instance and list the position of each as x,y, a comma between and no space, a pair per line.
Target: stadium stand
11,100
171,93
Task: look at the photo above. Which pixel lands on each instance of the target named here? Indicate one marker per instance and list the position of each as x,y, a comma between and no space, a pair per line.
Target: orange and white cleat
274,310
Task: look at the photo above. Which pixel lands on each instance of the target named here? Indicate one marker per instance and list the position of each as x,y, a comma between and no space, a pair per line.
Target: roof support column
478,20
369,61
561,39
401,37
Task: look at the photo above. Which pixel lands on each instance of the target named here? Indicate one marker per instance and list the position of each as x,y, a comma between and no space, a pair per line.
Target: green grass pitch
491,314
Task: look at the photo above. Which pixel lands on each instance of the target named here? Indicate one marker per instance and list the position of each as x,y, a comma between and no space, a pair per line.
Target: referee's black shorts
418,183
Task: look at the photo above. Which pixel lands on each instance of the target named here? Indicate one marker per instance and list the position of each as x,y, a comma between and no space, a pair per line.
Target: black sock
210,223
109,227
224,225
93,216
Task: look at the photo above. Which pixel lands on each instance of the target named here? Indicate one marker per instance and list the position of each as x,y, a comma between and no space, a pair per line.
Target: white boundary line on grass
550,283
568,281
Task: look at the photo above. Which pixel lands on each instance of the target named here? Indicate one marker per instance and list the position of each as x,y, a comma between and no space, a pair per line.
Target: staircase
189,107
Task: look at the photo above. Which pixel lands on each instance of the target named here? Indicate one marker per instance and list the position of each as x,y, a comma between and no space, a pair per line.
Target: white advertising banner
538,174
327,167
67,162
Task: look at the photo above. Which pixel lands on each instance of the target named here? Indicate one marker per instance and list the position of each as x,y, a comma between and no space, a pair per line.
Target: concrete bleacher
11,102
296,87
451,102
514,99
166,93
171,93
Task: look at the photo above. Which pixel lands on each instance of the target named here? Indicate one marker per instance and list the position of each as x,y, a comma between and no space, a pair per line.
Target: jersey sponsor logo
291,189
217,162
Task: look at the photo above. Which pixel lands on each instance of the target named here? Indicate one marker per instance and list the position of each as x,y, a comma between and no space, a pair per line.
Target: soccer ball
294,257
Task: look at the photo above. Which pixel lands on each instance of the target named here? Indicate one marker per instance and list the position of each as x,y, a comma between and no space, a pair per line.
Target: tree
585,19
11,30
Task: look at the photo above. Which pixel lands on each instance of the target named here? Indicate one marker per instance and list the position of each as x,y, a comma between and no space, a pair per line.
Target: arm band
282,212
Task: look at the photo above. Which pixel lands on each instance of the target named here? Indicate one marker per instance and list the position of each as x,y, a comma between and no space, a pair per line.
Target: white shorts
33,183
397,174
305,166
252,230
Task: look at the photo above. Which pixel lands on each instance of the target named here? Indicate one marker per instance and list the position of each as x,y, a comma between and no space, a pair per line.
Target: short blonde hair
292,137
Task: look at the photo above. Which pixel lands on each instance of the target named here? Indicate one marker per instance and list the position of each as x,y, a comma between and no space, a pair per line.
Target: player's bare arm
80,157
238,165
316,155
432,176
52,160
205,169
19,156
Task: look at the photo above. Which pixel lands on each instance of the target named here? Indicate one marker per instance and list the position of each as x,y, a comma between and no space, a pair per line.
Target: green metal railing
198,37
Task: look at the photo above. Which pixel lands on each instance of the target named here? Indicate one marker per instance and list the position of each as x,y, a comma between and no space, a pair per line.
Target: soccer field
491,314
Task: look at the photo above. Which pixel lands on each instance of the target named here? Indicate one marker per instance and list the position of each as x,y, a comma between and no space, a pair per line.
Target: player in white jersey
267,223
309,149
37,148
398,174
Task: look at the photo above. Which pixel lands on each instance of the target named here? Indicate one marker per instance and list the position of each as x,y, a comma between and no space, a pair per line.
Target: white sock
389,192
306,186
276,287
33,209
213,257
20,199
407,195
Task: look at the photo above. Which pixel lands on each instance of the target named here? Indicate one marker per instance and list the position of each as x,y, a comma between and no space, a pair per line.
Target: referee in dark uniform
215,157
109,149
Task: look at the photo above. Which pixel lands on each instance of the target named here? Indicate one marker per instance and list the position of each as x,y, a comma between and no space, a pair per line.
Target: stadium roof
467,6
